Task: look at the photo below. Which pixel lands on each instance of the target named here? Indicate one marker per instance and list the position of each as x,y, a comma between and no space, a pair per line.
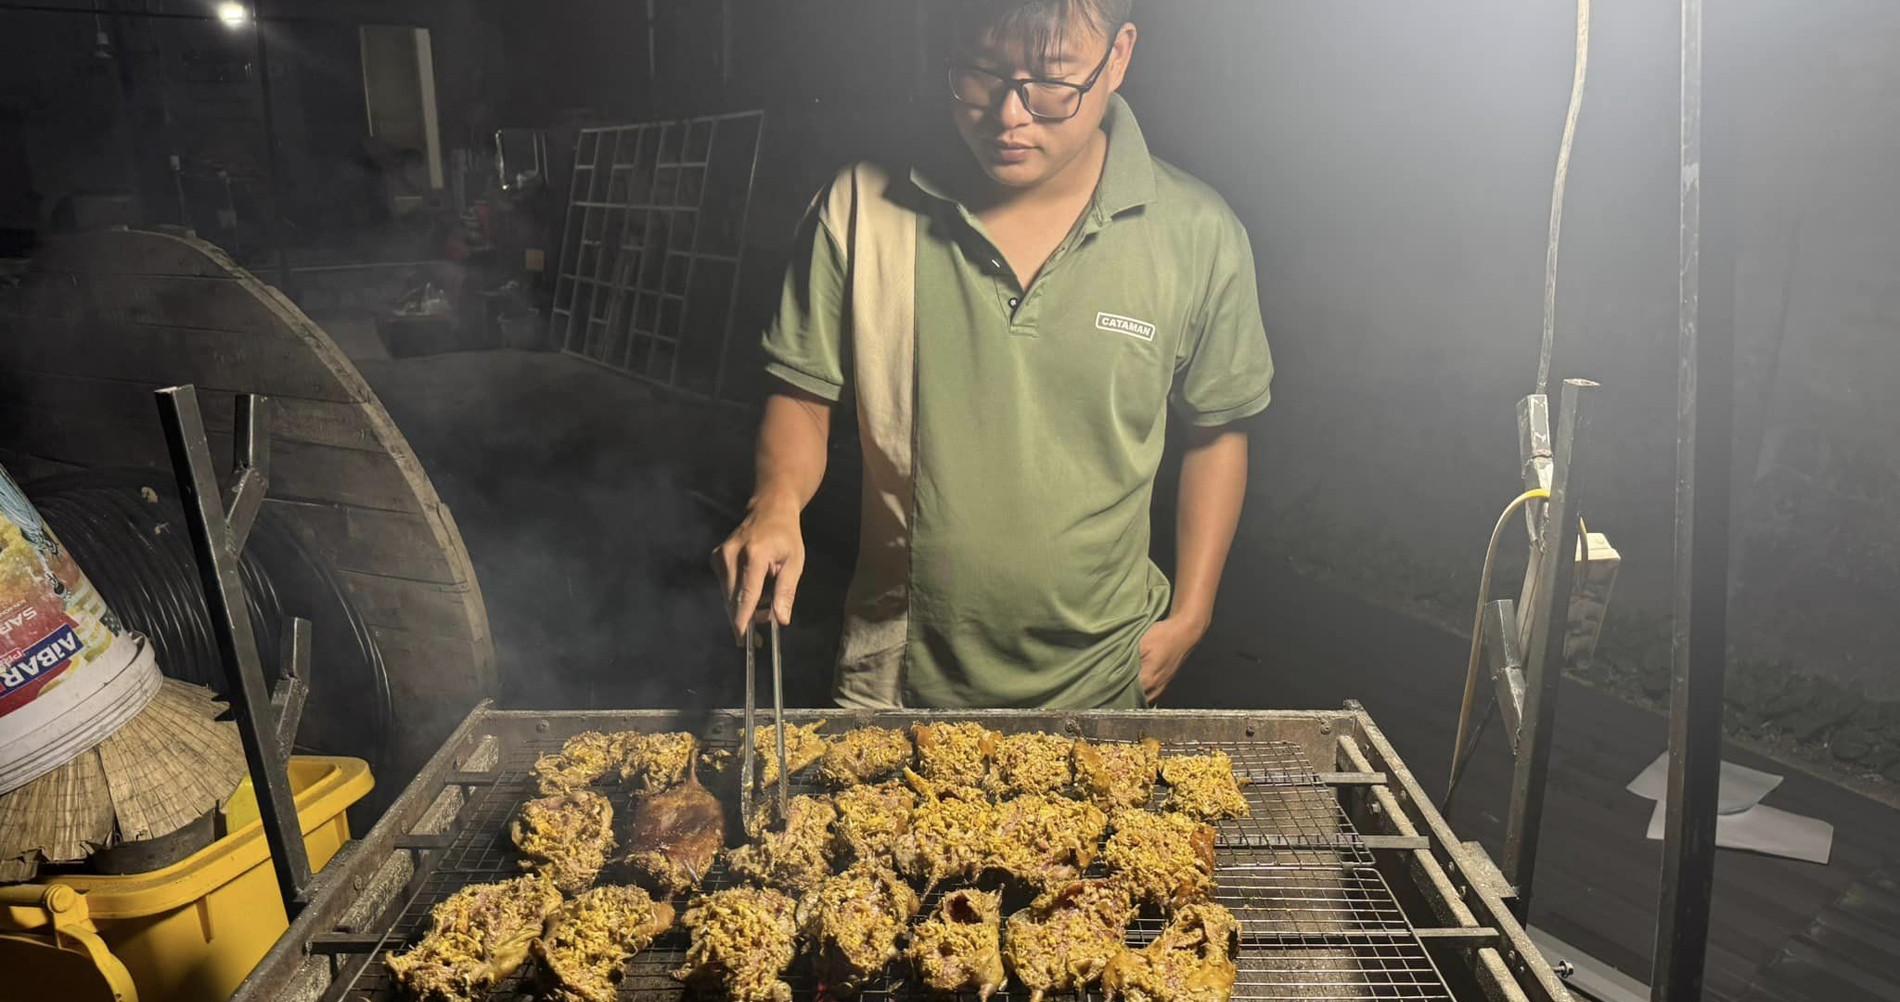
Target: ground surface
590,505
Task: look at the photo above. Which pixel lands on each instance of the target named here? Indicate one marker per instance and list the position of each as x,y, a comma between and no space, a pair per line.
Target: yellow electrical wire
1477,622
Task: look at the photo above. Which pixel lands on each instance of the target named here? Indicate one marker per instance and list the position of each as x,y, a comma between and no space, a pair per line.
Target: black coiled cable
126,530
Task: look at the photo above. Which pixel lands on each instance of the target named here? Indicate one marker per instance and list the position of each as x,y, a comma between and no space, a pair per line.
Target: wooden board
103,319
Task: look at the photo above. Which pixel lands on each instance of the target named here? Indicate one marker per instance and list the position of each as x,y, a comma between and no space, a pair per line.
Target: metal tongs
748,775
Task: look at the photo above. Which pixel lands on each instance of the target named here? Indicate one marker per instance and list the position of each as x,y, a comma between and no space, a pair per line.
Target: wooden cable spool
103,319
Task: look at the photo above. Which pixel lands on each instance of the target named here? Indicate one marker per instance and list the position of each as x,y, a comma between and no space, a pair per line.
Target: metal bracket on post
218,530
1507,668
1544,666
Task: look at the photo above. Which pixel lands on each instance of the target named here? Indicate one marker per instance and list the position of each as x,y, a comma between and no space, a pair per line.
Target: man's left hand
1163,648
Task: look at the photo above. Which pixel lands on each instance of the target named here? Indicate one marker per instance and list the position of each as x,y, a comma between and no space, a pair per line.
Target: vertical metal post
217,535
273,162
1544,665
1704,456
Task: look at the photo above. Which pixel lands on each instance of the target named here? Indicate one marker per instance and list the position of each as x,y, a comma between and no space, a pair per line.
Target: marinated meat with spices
956,754
567,837
1064,940
854,920
864,754
589,940
1166,859
1203,786
1191,961
477,936
1032,763
1119,775
743,939
958,947
675,837
796,858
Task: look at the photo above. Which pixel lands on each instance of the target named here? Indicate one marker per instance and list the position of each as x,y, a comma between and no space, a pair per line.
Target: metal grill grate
1317,922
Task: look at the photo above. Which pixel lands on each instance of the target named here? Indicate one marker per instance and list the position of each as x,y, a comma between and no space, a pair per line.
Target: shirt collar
1128,172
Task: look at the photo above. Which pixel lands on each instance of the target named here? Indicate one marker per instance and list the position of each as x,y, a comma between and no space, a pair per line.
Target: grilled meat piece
1064,940
1117,776
1191,961
957,948
957,754
477,936
567,837
952,832
854,920
743,940
795,859
803,746
862,755
584,758
650,763
1032,763
1203,786
870,818
1167,859
675,837
1044,840
589,940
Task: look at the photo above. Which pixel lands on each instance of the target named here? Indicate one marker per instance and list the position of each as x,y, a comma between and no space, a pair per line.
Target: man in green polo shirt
1012,326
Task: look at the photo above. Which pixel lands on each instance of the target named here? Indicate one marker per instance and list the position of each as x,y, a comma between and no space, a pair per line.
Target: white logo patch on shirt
1125,325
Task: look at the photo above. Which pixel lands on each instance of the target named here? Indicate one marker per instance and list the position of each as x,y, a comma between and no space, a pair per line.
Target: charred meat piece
1191,961
589,940
952,833
1045,841
567,838
1064,940
803,746
957,754
743,940
674,837
862,755
1167,859
1032,763
796,858
1204,786
1117,776
958,947
854,920
584,758
650,763
870,818
477,936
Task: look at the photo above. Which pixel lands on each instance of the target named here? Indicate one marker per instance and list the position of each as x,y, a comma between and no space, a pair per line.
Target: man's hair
1036,25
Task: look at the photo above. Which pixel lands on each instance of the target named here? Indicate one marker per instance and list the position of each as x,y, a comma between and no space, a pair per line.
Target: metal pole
1704,447
275,228
216,538
1544,665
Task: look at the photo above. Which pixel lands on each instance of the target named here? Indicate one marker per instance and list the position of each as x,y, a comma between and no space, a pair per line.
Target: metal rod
738,265
1704,446
217,553
748,773
1544,654
778,721
275,228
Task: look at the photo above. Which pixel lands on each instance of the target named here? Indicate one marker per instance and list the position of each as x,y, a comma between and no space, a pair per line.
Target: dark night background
1392,163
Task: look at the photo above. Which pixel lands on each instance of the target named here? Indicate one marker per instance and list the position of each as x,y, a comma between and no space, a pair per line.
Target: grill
1315,895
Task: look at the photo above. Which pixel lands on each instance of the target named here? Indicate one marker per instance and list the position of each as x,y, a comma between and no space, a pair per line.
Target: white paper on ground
1741,788
1764,829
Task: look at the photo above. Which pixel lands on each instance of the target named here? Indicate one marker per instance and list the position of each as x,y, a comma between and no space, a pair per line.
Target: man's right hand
768,543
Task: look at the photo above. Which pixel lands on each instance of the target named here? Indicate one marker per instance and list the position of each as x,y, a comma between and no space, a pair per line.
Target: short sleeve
804,343
1224,371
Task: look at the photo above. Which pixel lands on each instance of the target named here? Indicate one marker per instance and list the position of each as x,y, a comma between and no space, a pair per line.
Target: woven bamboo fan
165,768
96,747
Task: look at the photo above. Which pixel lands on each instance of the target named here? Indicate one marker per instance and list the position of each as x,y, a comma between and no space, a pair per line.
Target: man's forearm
1213,487
790,462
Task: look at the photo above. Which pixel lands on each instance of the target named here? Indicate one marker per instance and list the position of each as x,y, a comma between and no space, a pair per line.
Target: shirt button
1014,302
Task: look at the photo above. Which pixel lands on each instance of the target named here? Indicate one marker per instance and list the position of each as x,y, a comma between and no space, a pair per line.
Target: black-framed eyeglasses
1050,100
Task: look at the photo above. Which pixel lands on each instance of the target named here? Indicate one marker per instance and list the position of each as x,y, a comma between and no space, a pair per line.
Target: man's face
1017,148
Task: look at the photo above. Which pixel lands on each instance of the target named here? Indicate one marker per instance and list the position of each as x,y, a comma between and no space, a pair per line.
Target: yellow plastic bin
187,933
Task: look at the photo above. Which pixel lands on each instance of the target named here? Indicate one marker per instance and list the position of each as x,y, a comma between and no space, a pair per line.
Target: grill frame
1331,898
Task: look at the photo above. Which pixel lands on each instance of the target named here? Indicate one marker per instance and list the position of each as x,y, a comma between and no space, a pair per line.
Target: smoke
575,492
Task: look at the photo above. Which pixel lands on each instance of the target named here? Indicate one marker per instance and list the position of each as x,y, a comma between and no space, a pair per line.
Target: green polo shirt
1039,418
